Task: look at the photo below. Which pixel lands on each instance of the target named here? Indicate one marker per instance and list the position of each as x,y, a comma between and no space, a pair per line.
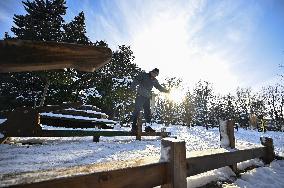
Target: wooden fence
171,172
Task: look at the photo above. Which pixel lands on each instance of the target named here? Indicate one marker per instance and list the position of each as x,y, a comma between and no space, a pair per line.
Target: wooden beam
67,133
197,165
22,55
139,126
176,176
231,134
51,108
75,123
150,175
269,155
232,142
75,112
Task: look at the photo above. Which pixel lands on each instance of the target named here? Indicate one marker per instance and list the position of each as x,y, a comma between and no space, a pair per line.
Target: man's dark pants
141,102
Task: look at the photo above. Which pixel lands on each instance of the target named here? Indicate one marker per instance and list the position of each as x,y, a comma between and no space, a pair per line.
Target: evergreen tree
75,31
43,21
274,100
243,102
112,82
187,107
202,98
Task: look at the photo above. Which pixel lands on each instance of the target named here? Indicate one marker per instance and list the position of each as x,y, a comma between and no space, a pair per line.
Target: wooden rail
170,172
197,165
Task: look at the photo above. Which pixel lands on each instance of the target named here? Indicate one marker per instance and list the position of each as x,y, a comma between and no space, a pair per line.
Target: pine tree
43,21
75,31
202,98
187,109
113,82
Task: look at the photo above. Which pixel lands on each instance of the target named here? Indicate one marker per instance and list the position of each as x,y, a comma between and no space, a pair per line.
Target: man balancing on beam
145,82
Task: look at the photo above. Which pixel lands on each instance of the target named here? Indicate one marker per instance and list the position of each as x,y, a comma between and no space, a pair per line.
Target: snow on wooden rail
169,172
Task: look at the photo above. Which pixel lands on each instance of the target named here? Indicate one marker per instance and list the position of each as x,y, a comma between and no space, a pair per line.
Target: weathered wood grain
22,55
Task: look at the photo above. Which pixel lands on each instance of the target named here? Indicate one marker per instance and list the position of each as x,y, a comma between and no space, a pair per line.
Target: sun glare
176,95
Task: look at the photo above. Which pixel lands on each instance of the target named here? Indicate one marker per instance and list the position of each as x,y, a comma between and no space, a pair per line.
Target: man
145,82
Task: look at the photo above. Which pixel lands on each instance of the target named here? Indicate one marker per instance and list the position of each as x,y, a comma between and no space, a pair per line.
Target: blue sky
229,43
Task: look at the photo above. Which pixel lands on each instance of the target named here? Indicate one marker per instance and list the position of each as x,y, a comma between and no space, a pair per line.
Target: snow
263,177
87,111
54,153
49,114
210,176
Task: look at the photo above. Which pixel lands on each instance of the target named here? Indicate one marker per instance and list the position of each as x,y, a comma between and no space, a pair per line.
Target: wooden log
139,127
164,133
22,55
176,176
149,175
24,121
200,164
51,108
75,123
82,113
96,138
227,138
231,135
269,155
79,133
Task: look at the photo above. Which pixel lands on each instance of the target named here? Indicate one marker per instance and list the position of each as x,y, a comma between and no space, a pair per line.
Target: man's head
154,72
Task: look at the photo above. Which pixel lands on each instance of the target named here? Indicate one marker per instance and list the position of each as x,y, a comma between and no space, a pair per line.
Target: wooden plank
269,155
51,108
150,175
74,123
230,133
68,133
22,55
176,175
23,121
197,165
81,133
161,134
231,136
75,112
139,126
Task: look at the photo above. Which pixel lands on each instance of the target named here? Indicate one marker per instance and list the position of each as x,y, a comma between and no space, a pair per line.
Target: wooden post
269,155
96,138
230,132
139,126
163,133
174,151
227,138
232,144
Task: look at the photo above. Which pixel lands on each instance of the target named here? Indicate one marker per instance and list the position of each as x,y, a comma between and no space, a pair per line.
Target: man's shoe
149,129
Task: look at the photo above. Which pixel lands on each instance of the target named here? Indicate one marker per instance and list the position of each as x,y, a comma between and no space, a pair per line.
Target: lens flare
176,95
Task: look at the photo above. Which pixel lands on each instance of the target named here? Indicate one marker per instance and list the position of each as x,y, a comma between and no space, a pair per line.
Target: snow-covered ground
52,153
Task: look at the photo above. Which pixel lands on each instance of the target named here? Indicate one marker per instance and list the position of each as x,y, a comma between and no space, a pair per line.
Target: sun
176,95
